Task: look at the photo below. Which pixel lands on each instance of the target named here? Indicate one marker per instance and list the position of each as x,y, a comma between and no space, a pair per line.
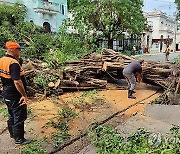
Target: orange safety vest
5,62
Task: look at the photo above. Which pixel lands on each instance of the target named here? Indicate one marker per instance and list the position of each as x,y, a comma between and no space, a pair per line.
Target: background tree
178,8
13,27
37,42
107,19
72,4
10,16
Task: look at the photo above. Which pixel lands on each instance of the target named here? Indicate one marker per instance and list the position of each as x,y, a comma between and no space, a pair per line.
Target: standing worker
133,50
167,52
13,92
129,73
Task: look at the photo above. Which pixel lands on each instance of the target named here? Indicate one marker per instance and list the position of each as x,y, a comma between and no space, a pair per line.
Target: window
150,23
62,9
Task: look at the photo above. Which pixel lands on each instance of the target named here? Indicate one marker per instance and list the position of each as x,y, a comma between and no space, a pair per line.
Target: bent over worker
13,92
129,73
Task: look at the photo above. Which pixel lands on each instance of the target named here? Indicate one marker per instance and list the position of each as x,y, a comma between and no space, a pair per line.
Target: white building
163,30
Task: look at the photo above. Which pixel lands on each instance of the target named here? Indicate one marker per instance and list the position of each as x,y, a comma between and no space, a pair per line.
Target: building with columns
146,39
164,31
47,13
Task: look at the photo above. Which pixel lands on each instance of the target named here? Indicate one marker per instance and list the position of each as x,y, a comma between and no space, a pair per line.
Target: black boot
18,127
23,141
19,135
130,92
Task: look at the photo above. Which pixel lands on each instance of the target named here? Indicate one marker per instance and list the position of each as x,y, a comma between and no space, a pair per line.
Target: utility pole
175,30
175,36
175,21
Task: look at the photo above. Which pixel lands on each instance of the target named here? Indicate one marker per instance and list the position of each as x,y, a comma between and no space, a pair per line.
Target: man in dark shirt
129,73
14,92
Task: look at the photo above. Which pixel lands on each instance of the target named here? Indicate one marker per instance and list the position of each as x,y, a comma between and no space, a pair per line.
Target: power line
164,1
166,6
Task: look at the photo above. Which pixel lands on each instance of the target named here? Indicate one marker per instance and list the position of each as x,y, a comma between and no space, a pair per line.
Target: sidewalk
149,54
160,56
132,112
155,118
158,53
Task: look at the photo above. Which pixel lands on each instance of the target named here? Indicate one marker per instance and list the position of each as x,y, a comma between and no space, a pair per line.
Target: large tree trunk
110,41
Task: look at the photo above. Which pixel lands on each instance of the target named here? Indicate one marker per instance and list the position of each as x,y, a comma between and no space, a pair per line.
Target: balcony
47,7
167,29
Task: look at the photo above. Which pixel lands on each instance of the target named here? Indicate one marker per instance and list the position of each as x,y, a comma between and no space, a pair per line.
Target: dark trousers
17,116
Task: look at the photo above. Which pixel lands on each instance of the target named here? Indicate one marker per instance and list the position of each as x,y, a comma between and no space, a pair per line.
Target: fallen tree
96,71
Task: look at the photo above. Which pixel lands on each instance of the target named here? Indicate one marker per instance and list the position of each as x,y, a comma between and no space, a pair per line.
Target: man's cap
13,45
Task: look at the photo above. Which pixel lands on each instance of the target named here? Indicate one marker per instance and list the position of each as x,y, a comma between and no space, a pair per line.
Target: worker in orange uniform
14,92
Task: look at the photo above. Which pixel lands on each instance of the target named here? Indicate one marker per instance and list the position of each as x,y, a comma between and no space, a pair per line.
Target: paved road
158,57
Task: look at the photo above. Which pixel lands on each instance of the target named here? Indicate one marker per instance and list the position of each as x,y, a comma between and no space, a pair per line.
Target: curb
152,54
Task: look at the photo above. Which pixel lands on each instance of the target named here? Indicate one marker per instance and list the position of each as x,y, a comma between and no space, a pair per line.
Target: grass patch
61,125
141,142
42,80
90,94
66,112
157,100
30,114
36,147
3,111
176,60
63,117
59,138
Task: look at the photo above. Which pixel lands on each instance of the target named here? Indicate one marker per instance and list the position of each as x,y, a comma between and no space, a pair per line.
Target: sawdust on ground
111,102
108,103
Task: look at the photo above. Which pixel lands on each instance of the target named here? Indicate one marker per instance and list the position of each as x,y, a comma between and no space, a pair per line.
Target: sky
166,6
